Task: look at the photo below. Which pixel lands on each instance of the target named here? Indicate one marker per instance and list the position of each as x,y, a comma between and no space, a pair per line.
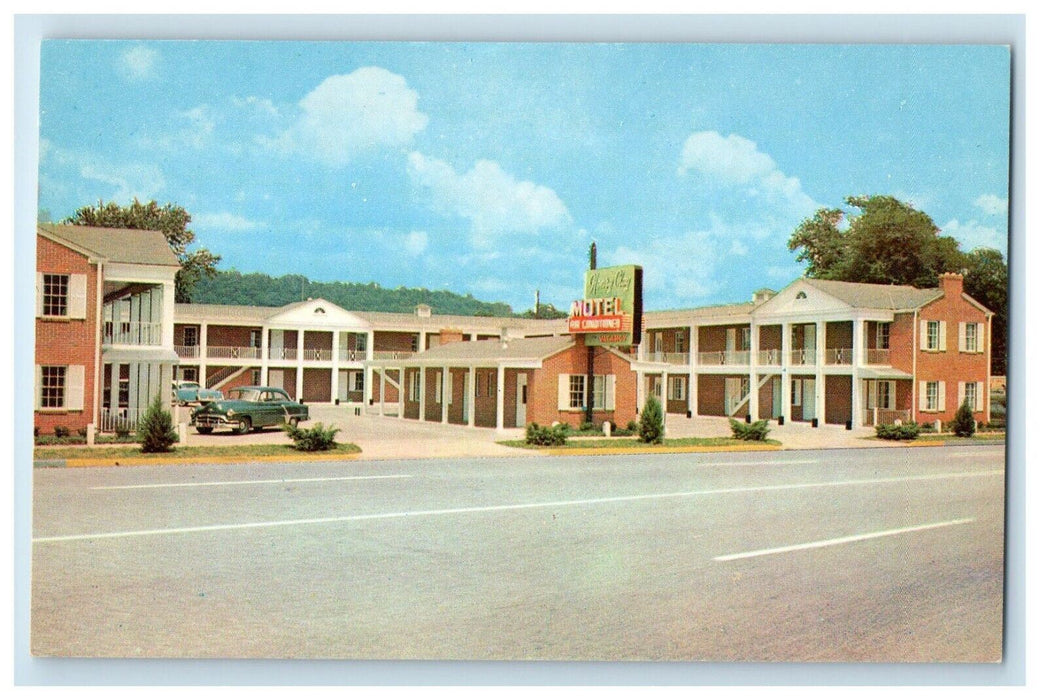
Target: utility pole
537,302
590,390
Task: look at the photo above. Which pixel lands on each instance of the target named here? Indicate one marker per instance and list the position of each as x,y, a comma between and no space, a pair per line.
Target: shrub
586,427
315,439
156,429
652,422
61,431
749,431
36,431
963,424
905,431
545,437
631,427
82,432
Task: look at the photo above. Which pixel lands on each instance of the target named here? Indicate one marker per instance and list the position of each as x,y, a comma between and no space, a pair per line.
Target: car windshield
189,385
244,394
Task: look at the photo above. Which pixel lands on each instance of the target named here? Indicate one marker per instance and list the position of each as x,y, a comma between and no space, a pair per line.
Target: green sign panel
611,311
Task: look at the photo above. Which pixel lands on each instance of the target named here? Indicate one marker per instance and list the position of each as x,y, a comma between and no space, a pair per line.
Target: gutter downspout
913,393
97,393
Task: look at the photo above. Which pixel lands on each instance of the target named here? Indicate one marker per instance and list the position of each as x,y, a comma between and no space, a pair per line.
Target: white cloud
139,63
682,268
121,181
992,205
224,221
973,235
347,115
735,161
261,105
416,243
495,202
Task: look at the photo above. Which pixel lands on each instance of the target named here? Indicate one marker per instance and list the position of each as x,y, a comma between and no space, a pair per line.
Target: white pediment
800,299
317,313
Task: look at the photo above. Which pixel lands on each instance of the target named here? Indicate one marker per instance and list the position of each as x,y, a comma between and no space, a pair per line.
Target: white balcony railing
122,420
672,358
187,351
875,356
839,356
802,357
283,353
724,357
128,333
393,354
771,357
233,353
317,354
346,355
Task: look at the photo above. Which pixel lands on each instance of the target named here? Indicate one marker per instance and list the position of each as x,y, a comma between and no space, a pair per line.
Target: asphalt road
834,555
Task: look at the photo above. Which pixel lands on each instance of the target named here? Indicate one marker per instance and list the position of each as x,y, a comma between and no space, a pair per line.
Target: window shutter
39,301
608,388
891,392
77,296
38,386
981,337
981,396
74,388
941,394
563,393
942,344
923,335
924,399
961,395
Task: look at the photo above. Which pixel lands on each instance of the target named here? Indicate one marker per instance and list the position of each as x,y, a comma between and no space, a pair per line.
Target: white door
732,394
521,400
776,396
808,399
276,377
276,346
343,385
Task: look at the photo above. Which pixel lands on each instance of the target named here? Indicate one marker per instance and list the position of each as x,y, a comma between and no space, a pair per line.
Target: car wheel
243,425
293,422
203,431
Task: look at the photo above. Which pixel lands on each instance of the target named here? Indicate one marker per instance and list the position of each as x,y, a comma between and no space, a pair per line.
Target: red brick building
104,320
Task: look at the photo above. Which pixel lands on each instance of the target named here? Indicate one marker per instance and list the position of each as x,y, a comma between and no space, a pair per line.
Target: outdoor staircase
224,376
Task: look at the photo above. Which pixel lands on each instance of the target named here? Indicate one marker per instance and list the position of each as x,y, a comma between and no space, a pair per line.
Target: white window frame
939,328
75,295
883,335
678,389
71,389
797,393
939,397
680,343
577,389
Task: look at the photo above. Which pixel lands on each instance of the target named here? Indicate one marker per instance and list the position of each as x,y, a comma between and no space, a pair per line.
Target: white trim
74,388
76,296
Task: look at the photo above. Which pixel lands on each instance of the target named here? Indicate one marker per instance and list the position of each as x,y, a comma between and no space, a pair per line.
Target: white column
445,394
858,343
299,377
858,358
692,376
402,394
754,377
470,389
819,371
641,390
168,314
421,342
370,345
334,366
265,354
421,393
787,380
202,359
381,391
665,393
499,409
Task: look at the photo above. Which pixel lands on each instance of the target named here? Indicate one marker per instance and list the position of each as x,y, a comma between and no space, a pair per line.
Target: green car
249,408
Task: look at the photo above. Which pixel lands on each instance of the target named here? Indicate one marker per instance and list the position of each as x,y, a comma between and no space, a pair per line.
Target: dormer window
801,295
319,310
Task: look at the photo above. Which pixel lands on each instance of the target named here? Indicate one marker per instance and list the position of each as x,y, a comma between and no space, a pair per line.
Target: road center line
507,507
840,540
248,481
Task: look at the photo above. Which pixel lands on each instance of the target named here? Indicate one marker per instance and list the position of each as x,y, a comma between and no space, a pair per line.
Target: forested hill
256,289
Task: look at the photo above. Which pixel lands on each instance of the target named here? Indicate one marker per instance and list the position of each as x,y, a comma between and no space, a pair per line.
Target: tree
963,424
889,242
652,422
156,431
169,219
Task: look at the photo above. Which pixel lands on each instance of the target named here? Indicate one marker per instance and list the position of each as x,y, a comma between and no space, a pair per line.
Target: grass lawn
618,443
134,451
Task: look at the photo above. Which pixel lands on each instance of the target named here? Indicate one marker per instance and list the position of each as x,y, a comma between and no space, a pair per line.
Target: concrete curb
567,451
202,459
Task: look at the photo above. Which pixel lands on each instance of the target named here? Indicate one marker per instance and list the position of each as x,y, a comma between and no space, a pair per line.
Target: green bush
749,431
546,437
61,431
156,429
905,431
315,439
963,424
586,427
632,428
652,422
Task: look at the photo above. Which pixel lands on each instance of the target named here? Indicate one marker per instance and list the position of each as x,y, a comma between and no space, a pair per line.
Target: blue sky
488,168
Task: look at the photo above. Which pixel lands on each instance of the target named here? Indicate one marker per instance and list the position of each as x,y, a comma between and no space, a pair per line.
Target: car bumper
210,421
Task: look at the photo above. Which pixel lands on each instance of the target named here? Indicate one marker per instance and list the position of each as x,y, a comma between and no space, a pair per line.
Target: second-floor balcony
839,356
128,333
877,356
802,357
770,357
393,354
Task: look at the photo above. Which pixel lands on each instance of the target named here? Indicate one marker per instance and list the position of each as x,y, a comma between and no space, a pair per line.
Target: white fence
128,333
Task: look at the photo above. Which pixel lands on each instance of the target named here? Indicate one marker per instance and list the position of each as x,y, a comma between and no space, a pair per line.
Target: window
678,389
797,396
577,391
885,395
361,342
413,387
681,342
414,343
438,394
932,336
256,376
190,336
56,295
933,396
358,381
124,390
188,374
883,336
744,338
599,392
255,339
970,394
970,338
52,387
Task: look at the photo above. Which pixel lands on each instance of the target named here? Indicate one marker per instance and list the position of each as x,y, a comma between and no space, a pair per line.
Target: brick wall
839,335
951,366
486,402
316,384
245,379
837,399
770,337
393,341
230,336
712,339
767,399
179,332
318,340
392,395
67,342
544,387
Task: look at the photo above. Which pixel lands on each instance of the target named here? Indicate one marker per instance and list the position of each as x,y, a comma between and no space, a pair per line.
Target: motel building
109,337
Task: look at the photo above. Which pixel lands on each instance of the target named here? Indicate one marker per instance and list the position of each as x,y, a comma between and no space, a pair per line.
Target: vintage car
249,408
186,392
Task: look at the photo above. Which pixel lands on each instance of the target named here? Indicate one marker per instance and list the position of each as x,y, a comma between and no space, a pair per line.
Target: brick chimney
451,335
951,283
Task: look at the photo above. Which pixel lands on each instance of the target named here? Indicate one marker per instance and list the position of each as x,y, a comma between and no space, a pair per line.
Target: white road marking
248,481
754,464
507,507
840,540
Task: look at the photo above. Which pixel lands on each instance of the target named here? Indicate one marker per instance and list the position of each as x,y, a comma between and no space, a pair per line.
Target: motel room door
807,399
521,400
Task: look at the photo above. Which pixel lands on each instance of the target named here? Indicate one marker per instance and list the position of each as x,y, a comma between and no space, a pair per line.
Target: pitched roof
115,244
658,319
519,349
876,296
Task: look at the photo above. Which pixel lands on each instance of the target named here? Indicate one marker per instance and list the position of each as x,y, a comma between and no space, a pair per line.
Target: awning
882,373
141,354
